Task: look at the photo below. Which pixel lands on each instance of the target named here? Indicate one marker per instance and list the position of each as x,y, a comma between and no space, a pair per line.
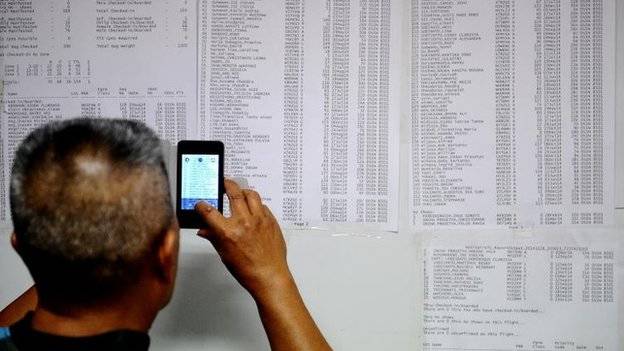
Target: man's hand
250,242
252,247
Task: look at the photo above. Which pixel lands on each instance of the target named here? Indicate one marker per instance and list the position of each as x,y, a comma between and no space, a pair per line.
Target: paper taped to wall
512,113
533,293
301,93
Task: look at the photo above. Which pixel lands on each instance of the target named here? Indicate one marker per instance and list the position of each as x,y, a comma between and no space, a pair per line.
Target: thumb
204,233
214,222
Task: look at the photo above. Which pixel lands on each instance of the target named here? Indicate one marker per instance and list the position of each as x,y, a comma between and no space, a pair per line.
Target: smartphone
199,178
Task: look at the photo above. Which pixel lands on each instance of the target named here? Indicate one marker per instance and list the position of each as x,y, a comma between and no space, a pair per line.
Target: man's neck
93,321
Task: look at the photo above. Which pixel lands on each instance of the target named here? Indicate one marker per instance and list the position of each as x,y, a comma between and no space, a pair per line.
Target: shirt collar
26,338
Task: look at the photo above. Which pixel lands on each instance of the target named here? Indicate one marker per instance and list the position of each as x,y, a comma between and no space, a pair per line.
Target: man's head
91,210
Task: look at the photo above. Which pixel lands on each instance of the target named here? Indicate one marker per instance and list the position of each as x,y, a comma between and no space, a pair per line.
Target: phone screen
200,180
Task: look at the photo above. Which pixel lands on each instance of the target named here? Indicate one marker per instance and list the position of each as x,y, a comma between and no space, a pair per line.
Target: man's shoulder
6,344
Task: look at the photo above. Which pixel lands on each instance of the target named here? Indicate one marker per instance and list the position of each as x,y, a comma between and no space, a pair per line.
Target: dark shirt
24,338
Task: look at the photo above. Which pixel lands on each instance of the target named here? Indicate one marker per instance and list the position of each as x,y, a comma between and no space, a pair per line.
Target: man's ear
168,254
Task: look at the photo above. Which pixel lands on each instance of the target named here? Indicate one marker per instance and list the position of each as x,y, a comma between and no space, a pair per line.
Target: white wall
619,105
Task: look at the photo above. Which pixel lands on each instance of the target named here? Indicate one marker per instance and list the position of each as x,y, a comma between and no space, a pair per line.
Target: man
93,222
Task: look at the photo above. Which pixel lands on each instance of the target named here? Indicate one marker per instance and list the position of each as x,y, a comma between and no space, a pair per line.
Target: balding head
89,201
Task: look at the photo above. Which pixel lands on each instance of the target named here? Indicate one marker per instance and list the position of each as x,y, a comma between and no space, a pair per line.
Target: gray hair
89,199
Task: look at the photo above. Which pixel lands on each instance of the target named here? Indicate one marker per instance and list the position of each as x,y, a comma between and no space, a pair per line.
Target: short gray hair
89,199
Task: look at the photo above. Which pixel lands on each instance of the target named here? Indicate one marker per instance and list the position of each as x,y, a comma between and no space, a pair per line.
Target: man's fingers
254,202
214,220
238,204
268,213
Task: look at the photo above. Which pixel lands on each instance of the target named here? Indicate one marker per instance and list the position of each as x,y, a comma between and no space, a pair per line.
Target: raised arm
18,308
252,247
